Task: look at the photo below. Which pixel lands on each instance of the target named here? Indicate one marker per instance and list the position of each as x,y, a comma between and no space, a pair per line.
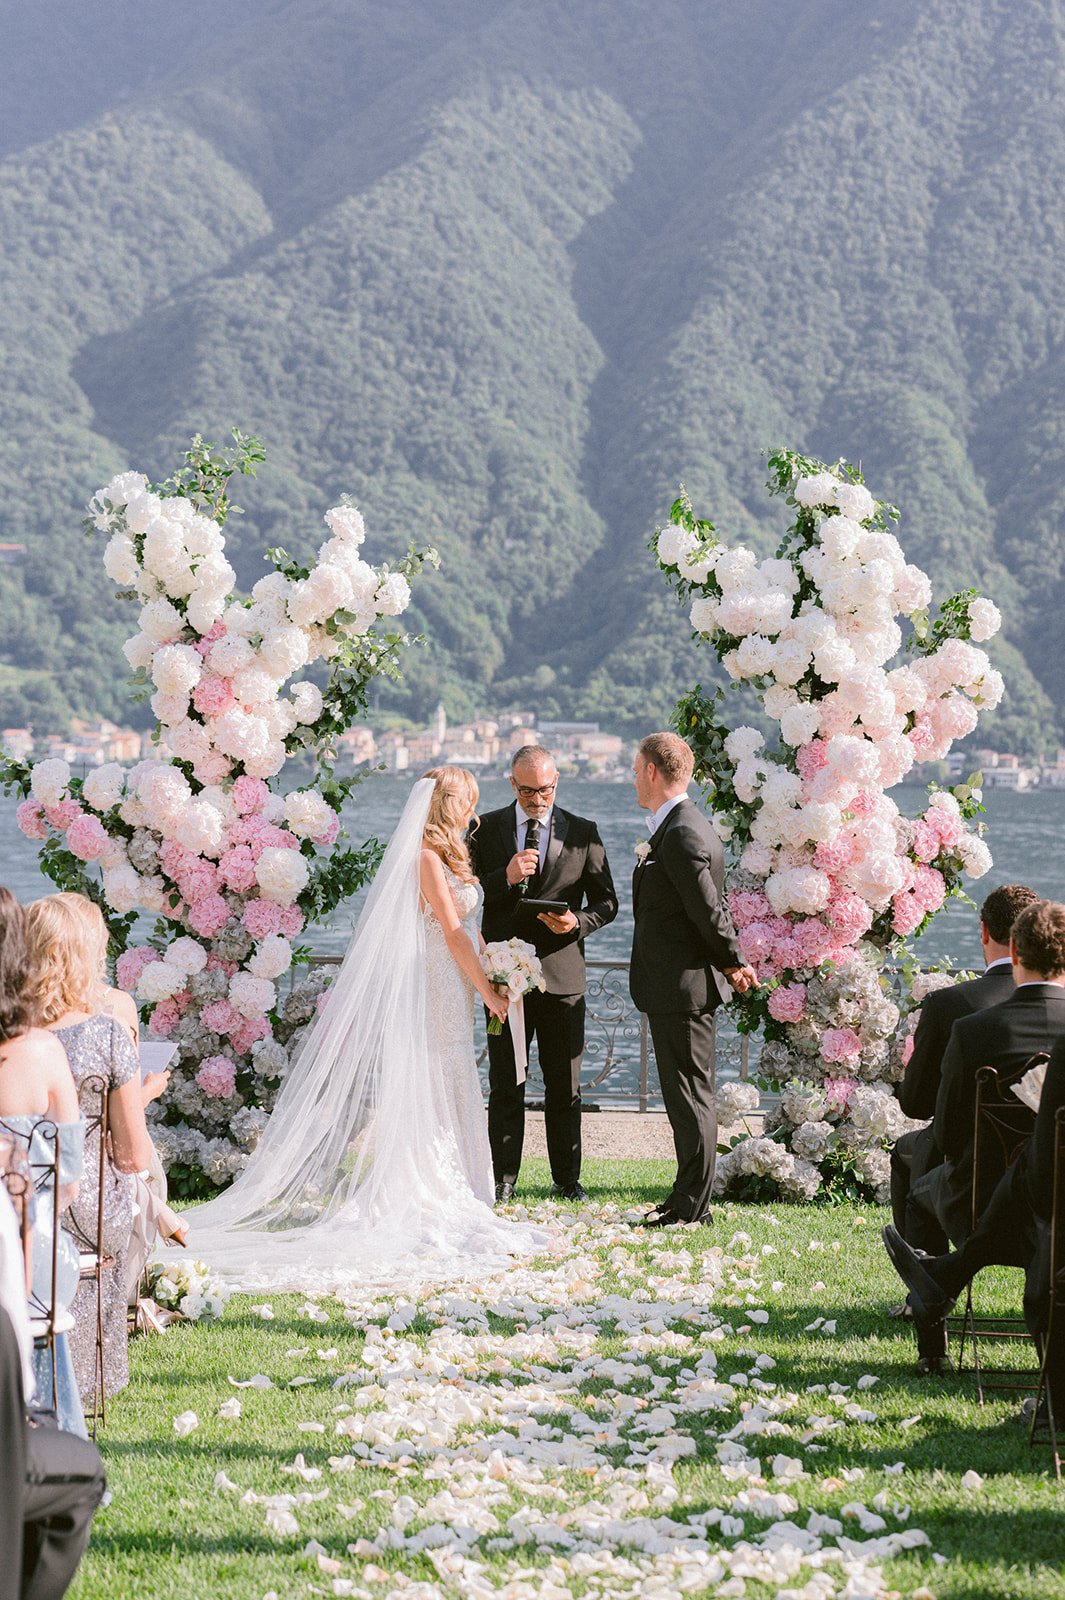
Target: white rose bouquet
187,1290
513,965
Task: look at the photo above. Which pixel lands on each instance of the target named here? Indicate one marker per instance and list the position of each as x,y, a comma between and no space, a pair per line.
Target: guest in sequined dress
71,966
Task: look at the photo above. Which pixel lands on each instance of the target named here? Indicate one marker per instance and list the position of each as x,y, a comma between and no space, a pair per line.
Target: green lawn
531,1411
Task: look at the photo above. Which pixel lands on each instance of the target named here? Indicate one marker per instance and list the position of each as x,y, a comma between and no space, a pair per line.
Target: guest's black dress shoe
930,1303
504,1192
569,1191
934,1367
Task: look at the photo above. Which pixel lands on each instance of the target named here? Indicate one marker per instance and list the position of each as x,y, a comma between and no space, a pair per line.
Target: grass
168,1533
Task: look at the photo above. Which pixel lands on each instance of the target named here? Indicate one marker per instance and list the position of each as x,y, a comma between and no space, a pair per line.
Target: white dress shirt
545,830
658,817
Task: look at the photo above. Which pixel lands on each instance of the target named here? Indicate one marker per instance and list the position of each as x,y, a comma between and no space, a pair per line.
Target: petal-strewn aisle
699,1411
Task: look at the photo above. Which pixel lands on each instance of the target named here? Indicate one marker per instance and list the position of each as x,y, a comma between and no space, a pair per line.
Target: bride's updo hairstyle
67,937
17,1012
449,816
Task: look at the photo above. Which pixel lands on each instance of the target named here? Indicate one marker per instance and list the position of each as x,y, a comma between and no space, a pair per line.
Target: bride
375,1165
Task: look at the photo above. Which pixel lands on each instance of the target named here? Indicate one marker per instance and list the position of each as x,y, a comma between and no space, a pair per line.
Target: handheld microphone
532,842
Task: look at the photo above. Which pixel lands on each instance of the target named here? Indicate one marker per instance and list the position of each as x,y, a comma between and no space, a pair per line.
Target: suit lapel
653,840
557,838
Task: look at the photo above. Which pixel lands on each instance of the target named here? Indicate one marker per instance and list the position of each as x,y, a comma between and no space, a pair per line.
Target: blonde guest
68,945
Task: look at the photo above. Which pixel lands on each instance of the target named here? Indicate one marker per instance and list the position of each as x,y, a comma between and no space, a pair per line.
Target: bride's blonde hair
450,808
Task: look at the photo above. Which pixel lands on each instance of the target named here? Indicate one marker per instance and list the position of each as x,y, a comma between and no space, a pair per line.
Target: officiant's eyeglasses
543,792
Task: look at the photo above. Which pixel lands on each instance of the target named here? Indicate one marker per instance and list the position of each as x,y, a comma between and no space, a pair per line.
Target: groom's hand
558,921
742,979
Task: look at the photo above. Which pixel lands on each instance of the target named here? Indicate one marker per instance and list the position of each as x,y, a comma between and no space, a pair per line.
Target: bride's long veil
357,1176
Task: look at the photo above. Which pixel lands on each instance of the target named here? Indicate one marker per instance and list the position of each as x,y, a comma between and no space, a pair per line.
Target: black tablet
536,906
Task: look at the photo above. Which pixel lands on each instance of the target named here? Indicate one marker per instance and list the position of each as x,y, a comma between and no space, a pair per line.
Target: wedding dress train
375,1165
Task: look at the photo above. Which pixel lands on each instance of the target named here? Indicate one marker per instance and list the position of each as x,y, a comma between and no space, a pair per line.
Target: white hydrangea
186,956
735,1101
393,595
975,856
819,489
121,886
281,874
674,543
159,981
307,813
49,781
104,786
798,723
855,501
176,669
307,700
271,957
283,651
743,742
120,560
326,590
160,620
253,997
985,619
345,522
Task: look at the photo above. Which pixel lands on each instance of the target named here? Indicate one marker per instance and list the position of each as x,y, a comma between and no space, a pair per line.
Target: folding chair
1003,1125
47,1320
86,1228
1043,1414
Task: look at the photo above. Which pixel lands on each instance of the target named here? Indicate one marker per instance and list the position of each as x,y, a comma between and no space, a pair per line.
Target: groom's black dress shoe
569,1191
504,1192
929,1301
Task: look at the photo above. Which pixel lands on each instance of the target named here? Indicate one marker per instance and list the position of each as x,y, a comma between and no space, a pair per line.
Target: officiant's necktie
532,842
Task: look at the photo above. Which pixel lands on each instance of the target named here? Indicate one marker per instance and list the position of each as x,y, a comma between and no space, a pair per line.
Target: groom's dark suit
575,870
683,941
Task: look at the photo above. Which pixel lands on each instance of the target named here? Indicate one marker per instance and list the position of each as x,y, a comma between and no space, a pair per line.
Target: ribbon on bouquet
516,1018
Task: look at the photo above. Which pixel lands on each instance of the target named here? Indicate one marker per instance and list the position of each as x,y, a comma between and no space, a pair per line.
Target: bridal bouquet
513,965
187,1290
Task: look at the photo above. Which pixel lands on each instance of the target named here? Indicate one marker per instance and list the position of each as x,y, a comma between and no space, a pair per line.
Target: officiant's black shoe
504,1192
569,1191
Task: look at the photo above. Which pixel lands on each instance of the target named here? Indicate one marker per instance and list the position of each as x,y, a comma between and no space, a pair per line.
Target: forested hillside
509,272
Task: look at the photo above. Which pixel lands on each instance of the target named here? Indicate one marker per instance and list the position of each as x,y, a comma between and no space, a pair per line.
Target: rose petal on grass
185,1423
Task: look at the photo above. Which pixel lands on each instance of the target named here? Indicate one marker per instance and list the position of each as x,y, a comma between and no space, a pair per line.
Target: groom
685,957
535,850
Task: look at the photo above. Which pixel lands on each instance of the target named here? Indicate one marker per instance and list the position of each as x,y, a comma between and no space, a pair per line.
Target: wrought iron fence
618,1052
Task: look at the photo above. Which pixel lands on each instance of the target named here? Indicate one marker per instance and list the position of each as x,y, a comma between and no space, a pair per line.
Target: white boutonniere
642,847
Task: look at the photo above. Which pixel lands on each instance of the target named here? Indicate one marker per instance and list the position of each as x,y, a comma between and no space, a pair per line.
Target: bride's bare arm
437,896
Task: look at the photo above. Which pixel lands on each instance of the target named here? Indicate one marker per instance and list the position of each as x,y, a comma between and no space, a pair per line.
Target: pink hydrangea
217,963
213,767
810,758
249,1032
206,640
907,1048
164,1018
131,963
250,795
849,915
930,889
840,1044
925,841
31,820
62,815
262,918
865,803
906,913
922,736
220,1016
748,907
292,920
175,859
788,1003
87,837
838,1094
208,916
947,825
213,695
237,869
198,881
756,942
217,1077
832,855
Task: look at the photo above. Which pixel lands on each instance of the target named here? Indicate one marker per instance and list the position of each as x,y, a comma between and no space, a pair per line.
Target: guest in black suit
534,849
50,1482
1032,1020
685,962
915,1154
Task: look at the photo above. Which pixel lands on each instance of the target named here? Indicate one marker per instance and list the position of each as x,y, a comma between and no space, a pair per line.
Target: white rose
49,781
281,874
104,786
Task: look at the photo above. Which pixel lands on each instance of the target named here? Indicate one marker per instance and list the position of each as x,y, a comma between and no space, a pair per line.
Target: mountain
510,272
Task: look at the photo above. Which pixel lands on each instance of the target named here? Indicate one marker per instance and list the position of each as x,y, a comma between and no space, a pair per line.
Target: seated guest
70,967
38,1102
915,1153
50,1482
1013,1229
1004,1036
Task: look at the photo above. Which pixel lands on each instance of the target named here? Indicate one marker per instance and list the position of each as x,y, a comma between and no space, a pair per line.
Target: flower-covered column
829,875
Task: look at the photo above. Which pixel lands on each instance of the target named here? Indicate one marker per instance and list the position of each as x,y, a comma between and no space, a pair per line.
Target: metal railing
618,1051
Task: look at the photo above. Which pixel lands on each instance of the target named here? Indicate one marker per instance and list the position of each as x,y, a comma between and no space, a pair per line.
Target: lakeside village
581,749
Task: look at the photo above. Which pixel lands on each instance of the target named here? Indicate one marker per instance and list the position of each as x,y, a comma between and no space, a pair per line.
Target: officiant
530,852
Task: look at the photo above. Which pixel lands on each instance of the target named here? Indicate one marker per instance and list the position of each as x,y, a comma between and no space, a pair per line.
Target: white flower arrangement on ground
231,868
513,965
187,1290
830,877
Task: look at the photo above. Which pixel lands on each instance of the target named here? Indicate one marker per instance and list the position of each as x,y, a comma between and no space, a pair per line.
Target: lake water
1025,832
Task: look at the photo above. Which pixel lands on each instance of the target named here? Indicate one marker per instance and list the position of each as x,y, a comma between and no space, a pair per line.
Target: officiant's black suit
683,941
575,870
915,1154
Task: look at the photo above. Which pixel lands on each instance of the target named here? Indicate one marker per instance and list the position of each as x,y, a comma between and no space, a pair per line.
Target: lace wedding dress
375,1166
